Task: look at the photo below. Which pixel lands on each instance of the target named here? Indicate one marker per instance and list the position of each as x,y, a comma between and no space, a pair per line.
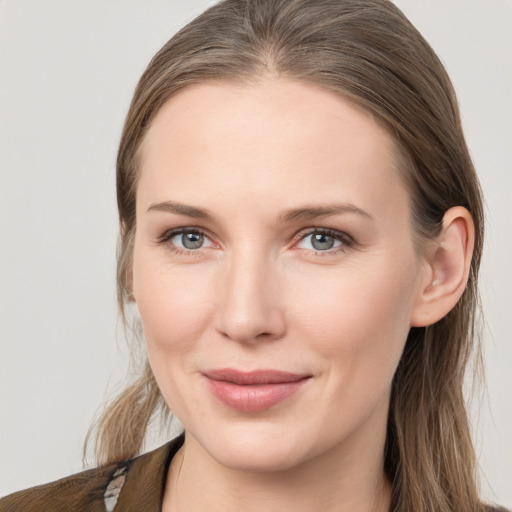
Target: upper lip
265,376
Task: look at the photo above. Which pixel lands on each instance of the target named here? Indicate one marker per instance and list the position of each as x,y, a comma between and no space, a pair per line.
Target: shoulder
138,482
83,491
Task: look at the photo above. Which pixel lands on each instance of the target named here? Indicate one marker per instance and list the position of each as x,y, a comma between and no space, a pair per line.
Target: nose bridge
249,307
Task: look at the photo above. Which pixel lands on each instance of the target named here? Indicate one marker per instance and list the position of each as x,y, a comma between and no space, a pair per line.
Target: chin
270,458
257,449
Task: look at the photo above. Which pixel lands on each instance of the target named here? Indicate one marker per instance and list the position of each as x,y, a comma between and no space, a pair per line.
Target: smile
253,391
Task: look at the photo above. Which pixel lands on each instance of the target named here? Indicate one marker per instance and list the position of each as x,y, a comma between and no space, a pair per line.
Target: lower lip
255,397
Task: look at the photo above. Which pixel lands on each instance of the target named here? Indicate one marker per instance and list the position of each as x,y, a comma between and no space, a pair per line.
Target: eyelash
346,240
168,235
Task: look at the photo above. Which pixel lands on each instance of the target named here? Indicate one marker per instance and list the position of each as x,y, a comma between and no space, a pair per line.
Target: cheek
359,318
175,307
174,303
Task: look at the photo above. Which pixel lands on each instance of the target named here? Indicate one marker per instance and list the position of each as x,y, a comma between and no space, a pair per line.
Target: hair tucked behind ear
367,51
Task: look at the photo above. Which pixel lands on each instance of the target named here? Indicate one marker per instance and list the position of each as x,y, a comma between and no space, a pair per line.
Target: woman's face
274,271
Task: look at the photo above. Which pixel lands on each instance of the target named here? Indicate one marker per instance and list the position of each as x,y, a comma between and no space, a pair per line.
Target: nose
249,309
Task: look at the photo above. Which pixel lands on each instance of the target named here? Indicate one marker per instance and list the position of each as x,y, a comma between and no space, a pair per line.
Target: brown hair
367,51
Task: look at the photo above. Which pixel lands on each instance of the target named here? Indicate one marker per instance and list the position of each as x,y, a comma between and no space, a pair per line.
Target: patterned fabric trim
114,488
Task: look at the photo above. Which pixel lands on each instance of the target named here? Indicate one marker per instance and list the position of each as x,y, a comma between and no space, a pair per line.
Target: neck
341,480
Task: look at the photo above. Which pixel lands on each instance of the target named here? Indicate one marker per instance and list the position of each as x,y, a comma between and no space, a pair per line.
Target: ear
448,263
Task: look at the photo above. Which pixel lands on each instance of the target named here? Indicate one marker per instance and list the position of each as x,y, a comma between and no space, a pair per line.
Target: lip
255,390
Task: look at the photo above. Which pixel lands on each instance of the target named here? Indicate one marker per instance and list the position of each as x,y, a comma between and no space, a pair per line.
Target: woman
301,231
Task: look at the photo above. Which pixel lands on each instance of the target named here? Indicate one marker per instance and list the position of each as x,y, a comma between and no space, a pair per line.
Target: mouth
253,391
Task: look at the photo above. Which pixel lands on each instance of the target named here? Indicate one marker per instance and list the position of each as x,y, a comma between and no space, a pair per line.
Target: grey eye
321,241
192,240
189,240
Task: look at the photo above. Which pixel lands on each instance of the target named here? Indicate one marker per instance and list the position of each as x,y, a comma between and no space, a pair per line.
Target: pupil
192,240
321,241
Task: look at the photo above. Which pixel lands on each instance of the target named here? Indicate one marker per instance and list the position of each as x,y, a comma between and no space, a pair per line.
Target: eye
184,240
324,240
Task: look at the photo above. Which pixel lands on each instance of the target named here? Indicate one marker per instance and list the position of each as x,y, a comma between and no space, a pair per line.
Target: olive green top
133,486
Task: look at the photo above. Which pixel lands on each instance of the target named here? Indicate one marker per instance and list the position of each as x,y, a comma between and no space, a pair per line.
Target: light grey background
67,72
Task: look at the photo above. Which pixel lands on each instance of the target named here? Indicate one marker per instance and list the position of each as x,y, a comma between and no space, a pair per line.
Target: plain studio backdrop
68,69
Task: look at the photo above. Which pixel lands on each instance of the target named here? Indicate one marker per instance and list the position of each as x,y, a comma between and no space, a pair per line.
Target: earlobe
449,263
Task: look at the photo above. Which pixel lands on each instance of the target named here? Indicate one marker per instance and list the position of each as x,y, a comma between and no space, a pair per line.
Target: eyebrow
181,209
311,212
305,213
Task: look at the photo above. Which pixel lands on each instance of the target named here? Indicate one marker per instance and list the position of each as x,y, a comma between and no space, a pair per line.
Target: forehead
304,110
279,140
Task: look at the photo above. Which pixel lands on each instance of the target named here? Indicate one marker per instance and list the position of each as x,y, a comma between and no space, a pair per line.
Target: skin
258,293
